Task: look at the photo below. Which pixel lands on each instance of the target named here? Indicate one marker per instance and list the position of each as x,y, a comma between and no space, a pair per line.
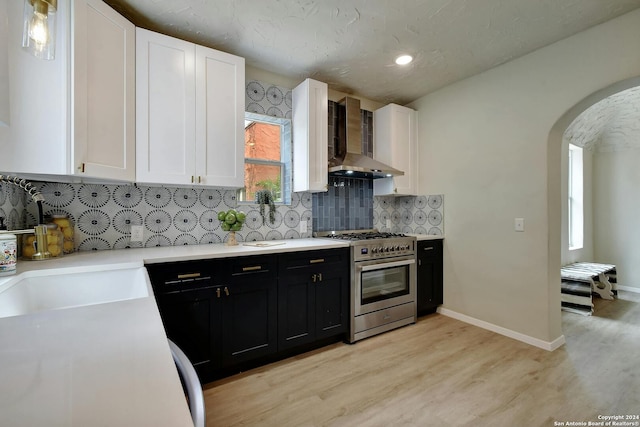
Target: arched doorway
554,205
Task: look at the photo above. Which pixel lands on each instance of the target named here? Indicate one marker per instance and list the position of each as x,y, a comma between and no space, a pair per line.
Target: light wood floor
443,372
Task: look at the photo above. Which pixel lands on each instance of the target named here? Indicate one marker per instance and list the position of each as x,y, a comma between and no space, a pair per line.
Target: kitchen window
267,157
576,193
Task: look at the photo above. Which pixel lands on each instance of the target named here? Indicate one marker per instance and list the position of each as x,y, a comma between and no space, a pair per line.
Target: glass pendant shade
39,28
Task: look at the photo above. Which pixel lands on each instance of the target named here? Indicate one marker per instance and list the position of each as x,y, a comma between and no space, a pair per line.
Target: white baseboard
628,289
545,345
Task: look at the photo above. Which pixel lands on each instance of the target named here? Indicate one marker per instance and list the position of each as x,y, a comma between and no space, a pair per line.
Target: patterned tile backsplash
103,214
12,202
270,100
410,214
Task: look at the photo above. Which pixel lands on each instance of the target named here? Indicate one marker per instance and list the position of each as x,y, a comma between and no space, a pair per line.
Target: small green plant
263,198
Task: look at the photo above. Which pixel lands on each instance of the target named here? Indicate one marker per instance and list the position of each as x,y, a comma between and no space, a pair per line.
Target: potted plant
264,198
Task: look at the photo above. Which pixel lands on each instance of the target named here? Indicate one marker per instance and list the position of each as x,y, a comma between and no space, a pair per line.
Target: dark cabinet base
429,291
230,315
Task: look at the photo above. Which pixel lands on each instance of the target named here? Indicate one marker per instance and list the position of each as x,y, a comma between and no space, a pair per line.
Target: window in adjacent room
576,209
267,157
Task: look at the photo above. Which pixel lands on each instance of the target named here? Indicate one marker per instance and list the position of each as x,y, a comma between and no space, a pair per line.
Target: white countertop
105,364
132,258
426,237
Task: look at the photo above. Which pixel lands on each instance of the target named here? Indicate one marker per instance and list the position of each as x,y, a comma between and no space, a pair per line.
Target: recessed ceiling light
404,59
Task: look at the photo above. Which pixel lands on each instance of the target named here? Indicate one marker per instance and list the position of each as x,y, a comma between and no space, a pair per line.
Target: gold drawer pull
188,275
316,261
254,268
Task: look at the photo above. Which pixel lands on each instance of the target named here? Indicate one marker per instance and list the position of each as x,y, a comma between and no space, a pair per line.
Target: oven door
381,284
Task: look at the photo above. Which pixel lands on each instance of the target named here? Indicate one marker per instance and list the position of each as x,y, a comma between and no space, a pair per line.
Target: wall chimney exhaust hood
349,160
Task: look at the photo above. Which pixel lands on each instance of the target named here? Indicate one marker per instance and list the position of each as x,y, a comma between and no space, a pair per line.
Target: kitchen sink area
59,290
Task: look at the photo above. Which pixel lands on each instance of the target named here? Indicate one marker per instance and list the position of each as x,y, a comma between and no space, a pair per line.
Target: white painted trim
628,289
545,345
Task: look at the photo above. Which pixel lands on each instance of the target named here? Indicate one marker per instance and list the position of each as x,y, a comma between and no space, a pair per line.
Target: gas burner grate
365,235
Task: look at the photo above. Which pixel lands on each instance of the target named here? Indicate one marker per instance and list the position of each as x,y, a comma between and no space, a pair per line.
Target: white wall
587,251
484,144
617,209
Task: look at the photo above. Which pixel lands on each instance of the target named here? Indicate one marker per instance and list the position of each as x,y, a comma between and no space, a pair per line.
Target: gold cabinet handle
313,278
199,180
188,275
320,277
316,261
218,292
252,268
226,291
430,248
192,179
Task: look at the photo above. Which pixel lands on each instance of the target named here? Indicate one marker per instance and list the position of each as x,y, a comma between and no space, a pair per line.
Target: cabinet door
36,138
192,320
165,109
249,320
296,308
313,296
249,304
219,118
310,133
395,143
103,92
429,272
332,301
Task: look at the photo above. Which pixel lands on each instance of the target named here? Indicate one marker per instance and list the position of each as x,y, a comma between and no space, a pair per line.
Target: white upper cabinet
165,109
395,143
189,112
310,133
73,115
104,92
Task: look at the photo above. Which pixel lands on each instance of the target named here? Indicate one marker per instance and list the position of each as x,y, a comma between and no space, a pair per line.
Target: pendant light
39,28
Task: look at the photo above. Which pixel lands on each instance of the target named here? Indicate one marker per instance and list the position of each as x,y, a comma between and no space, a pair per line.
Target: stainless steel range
383,280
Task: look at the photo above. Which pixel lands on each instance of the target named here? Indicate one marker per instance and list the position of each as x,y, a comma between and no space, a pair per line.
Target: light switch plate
137,232
303,226
519,224
388,225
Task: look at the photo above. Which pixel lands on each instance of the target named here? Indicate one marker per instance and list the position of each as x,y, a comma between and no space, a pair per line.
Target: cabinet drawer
428,249
263,265
180,276
314,258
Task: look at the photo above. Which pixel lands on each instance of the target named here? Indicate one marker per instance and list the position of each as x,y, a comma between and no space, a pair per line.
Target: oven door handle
386,265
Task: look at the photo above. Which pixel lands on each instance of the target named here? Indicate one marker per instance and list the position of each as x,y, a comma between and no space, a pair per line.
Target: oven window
386,283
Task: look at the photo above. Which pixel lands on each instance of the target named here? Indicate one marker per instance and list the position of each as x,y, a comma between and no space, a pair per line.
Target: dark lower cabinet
233,313
313,296
429,291
249,310
190,319
188,296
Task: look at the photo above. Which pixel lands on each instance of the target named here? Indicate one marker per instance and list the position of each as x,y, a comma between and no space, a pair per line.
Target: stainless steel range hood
349,160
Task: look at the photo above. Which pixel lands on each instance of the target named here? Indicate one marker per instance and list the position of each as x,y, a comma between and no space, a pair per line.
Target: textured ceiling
351,44
612,124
